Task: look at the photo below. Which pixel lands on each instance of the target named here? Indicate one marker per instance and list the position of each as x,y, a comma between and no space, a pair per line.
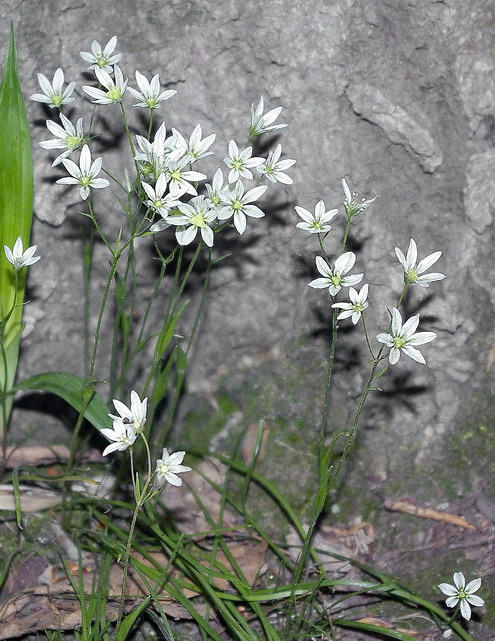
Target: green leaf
126,625
376,629
16,213
167,332
71,388
16,185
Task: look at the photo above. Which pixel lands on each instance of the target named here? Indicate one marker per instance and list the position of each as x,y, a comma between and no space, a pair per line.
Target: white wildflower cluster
127,425
170,185
401,336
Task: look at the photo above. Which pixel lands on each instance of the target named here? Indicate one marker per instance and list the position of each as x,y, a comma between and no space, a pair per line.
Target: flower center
237,205
73,142
175,175
411,276
114,93
85,181
399,342
57,99
335,279
198,221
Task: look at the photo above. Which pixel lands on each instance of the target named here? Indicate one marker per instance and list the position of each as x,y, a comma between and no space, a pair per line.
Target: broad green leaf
16,185
16,213
70,387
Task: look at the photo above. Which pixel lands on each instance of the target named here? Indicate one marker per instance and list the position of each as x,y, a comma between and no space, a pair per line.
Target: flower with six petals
316,223
169,466
352,204
115,89
356,307
274,169
463,594
335,278
19,258
134,416
238,204
53,93
239,162
403,338
196,214
150,95
68,137
413,271
84,174
262,123
102,59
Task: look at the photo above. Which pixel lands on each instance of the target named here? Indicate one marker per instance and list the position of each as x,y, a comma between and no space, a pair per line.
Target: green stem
346,233
144,495
328,385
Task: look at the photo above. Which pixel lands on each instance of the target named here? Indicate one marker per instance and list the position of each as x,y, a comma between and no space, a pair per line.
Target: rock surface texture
397,96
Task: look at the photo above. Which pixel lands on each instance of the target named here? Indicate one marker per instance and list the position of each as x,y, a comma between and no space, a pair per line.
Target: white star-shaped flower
115,89
158,200
413,271
122,436
274,169
239,162
217,190
403,338
84,174
150,95
316,223
19,258
68,137
102,59
196,215
197,147
352,204
462,593
237,204
180,181
356,307
169,466
335,278
262,123
53,93
134,416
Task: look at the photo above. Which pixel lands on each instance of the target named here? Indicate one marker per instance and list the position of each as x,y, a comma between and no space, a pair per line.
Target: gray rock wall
397,96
